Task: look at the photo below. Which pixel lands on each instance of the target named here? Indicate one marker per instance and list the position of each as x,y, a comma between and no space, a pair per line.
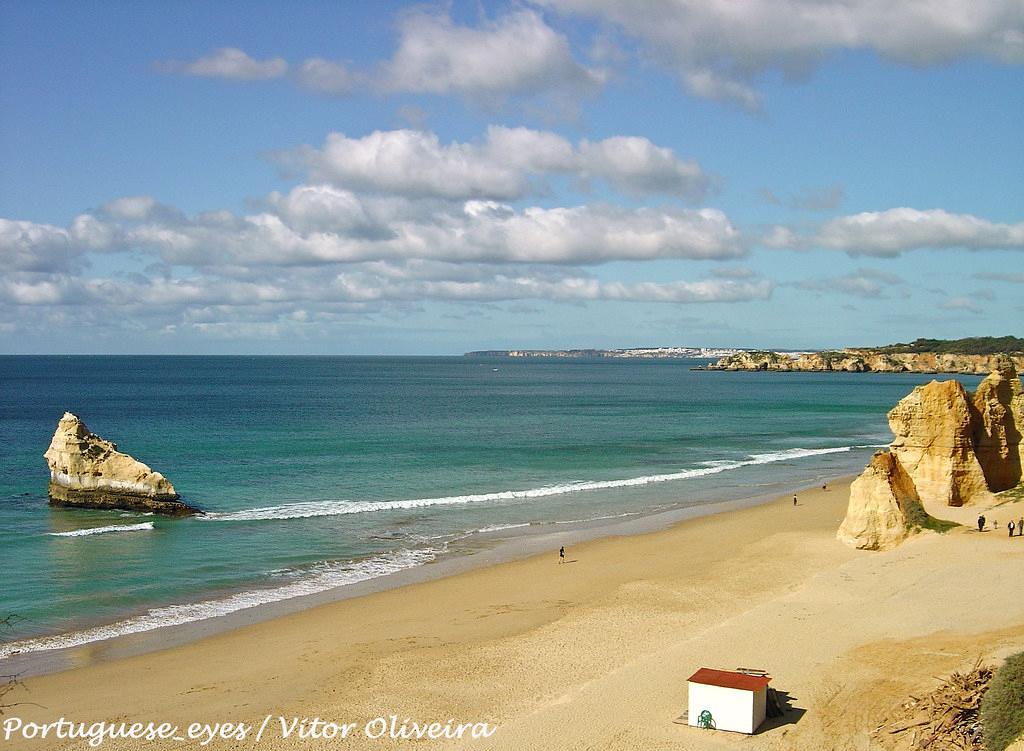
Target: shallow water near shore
320,473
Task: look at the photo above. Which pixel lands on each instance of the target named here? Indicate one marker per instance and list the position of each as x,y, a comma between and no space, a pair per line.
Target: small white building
726,700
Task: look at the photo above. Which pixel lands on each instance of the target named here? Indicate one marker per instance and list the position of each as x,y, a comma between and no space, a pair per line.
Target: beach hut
727,700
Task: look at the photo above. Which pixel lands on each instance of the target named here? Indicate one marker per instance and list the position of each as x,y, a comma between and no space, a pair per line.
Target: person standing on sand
981,523
1020,527
561,554
1010,527
794,500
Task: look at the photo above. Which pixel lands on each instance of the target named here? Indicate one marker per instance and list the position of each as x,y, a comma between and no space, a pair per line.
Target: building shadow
781,711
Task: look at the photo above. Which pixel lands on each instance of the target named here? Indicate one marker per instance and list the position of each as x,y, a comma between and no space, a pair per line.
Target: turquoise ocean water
319,472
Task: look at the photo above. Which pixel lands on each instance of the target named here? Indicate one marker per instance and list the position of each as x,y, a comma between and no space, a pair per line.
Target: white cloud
824,198
322,208
1000,276
707,84
894,231
866,283
595,234
412,162
734,272
416,163
326,76
27,246
319,224
635,165
300,290
502,288
229,63
968,304
515,54
130,207
719,48
319,253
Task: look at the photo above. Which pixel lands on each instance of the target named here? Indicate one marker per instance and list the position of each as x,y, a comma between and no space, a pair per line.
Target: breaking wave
319,578
104,530
308,509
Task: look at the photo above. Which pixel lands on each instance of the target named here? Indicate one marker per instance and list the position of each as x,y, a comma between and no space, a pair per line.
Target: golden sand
593,654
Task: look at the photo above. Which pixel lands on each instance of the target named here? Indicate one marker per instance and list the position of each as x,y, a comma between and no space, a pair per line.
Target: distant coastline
976,355
649,353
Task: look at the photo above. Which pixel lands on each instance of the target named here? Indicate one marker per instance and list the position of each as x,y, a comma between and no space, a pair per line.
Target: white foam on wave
322,577
498,528
104,530
308,509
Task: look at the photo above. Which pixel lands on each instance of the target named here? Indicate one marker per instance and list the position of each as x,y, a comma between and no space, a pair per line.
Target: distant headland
977,355
647,353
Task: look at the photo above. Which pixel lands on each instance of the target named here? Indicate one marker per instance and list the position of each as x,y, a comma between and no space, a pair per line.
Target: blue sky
391,178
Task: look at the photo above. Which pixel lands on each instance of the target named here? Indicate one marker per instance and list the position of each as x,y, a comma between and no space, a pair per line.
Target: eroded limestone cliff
876,518
934,441
951,448
865,361
998,407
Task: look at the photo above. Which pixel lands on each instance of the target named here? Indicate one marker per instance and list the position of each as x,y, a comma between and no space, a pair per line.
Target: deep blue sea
318,472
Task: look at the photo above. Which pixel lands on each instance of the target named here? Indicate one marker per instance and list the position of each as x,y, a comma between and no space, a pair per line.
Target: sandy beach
592,654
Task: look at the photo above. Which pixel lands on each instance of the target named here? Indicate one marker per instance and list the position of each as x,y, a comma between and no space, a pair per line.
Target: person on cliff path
561,554
981,523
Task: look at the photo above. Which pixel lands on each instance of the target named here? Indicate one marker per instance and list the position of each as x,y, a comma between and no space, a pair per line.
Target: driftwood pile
947,719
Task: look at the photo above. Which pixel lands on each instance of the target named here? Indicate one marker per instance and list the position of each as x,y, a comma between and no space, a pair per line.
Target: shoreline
595,653
511,545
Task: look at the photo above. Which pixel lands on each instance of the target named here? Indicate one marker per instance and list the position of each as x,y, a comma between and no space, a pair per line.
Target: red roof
729,679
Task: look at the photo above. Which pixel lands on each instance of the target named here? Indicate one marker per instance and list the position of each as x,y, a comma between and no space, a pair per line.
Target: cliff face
864,361
935,443
760,360
876,518
950,448
88,471
998,406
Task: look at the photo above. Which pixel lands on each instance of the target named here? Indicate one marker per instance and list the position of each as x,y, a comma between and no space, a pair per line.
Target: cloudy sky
394,178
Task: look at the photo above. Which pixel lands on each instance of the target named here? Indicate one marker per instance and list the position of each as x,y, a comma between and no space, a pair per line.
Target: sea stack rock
876,518
88,471
935,444
999,419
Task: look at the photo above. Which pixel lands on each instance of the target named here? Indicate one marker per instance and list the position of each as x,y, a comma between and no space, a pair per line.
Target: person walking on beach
1020,527
794,500
561,554
981,523
1010,527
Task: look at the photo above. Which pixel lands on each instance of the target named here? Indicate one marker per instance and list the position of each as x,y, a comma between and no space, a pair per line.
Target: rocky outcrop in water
88,471
876,518
934,441
756,360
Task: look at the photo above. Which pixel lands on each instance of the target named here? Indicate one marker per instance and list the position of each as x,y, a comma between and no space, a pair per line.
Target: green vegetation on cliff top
975,345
